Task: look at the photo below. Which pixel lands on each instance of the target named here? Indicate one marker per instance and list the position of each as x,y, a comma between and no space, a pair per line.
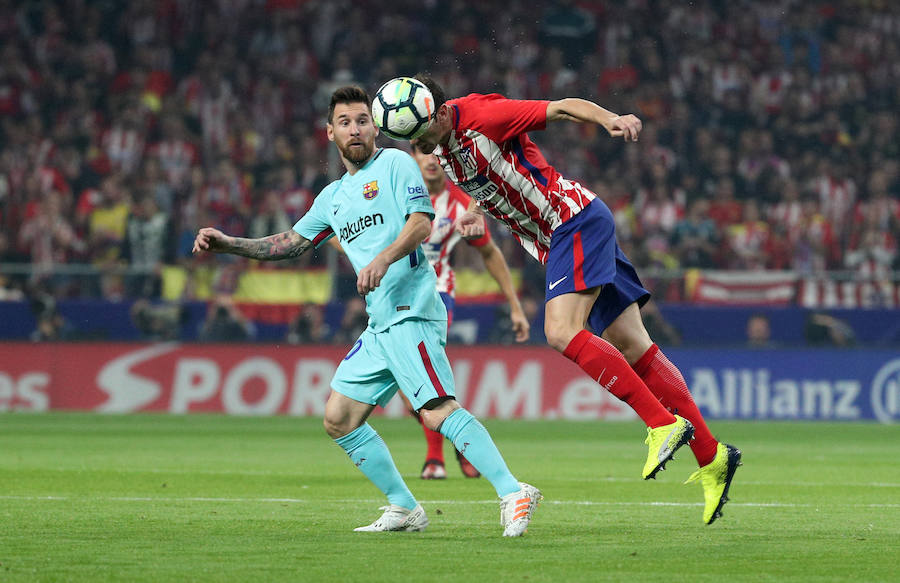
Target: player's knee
558,336
631,341
432,419
434,414
333,428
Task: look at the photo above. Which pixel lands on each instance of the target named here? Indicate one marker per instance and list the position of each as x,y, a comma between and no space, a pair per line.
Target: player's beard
357,154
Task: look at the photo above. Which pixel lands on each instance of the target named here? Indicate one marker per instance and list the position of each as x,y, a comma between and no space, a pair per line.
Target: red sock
666,382
607,366
435,441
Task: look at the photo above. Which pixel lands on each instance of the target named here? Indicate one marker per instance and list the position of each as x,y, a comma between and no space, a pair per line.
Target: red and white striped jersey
492,159
176,157
788,213
838,197
124,147
448,205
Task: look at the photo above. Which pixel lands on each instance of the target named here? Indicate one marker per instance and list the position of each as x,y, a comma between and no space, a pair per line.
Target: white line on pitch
446,502
613,479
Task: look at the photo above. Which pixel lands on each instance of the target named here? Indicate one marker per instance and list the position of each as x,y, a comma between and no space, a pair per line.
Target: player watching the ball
381,213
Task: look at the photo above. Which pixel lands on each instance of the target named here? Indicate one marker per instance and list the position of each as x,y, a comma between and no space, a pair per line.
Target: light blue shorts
409,356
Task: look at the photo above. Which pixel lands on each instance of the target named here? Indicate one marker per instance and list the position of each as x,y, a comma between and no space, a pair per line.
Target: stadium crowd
770,140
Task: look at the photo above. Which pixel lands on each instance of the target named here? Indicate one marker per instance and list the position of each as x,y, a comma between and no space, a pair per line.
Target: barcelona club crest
370,190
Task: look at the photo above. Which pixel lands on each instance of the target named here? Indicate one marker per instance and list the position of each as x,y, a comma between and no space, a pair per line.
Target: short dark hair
436,90
348,94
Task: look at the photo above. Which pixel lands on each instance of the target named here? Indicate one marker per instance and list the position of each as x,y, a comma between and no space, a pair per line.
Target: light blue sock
473,441
370,454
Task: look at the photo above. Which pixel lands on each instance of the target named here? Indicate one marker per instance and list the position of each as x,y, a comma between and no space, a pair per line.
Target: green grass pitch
87,497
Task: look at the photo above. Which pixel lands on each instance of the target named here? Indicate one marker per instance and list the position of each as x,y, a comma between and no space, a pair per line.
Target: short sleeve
409,186
314,225
502,119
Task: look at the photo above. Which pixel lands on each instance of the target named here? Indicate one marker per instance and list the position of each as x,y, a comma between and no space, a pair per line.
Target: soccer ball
403,108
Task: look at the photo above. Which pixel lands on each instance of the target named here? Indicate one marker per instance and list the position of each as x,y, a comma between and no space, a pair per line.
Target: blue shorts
584,255
408,355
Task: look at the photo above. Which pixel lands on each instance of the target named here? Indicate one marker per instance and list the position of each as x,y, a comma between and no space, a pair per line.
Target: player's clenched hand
470,225
371,275
625,126
520,325
209,239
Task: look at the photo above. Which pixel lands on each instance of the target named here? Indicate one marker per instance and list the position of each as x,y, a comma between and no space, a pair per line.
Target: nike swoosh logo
416,394
665,451
336,210
557,282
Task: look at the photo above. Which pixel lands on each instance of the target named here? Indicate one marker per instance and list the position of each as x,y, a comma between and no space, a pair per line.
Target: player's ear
329,131
443,112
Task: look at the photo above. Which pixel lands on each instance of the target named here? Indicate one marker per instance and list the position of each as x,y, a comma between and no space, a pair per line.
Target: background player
381,219
450,203
482,144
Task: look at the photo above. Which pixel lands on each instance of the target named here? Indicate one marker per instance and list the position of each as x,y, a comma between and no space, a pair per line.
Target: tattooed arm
285,245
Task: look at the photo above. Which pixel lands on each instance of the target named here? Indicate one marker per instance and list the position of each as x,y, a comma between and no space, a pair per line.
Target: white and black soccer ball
403,108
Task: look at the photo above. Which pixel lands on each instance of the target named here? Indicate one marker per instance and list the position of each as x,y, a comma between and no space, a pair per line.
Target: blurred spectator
659,206
152,183
725,209
48,237
51,326
353,322
872,250
107,222
825,330
294,199
270,217
148,245
157,322
814,244
788,211
748,240
175,152
226,194
123,143
695,238
759,332
837,192
225,323
309,327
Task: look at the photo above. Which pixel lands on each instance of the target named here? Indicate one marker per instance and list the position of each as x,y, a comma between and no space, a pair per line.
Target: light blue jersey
367,211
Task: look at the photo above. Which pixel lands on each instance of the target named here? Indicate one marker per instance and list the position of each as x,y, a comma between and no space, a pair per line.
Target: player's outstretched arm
584,111
272,248
416,230
499,270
